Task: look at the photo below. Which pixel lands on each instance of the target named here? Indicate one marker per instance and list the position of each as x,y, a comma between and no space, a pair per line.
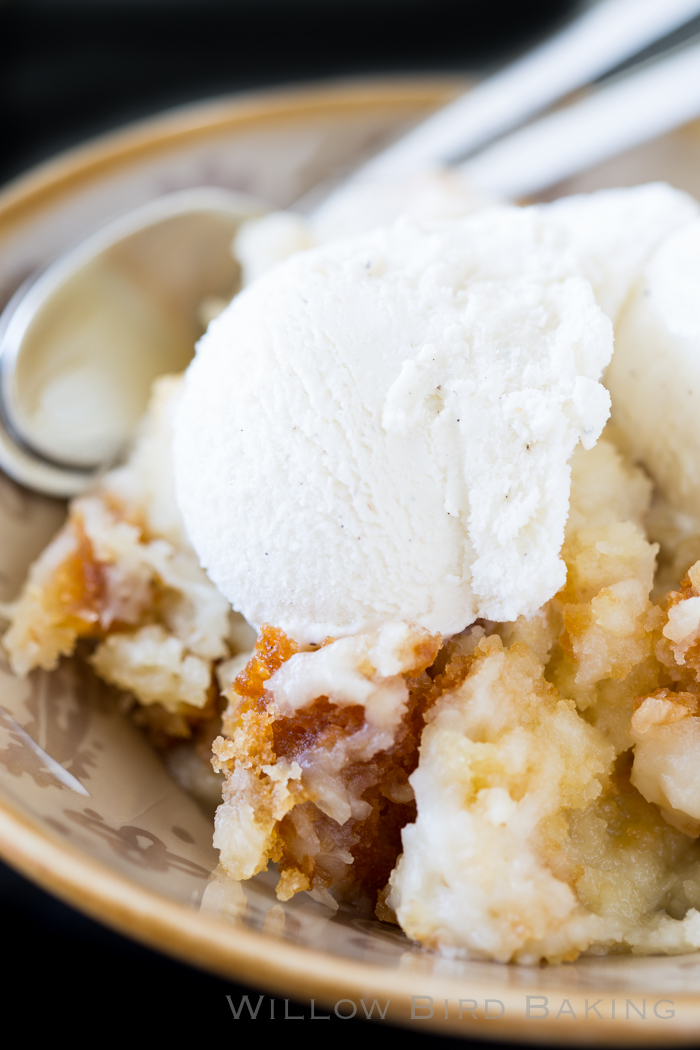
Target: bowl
87,808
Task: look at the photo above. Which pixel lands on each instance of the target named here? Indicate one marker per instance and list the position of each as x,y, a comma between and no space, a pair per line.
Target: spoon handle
602,37
638,107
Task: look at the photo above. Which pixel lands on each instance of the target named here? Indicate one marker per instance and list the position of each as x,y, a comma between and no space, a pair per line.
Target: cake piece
122,578
317,750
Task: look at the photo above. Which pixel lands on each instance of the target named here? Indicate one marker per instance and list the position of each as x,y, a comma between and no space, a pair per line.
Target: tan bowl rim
193,936
150,136
300,973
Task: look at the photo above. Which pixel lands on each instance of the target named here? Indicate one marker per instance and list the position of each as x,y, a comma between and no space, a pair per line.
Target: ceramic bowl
87,808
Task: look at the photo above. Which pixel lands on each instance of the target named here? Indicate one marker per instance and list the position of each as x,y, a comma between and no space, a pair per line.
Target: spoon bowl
82,342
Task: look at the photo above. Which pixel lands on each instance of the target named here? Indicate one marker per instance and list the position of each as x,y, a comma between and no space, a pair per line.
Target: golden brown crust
312,849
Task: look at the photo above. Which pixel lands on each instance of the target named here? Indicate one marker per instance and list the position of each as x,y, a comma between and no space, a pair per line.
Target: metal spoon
82,341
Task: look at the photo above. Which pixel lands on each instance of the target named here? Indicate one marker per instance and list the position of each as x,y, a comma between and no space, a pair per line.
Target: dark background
70,69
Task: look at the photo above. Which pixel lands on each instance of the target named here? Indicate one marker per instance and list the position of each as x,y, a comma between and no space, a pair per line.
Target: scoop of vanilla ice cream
613,233
654,377
379,429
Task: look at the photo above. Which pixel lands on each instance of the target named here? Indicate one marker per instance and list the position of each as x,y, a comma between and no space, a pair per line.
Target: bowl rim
152,135
303,973
191,935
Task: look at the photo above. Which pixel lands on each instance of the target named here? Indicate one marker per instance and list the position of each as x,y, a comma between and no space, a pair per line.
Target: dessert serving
474,695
